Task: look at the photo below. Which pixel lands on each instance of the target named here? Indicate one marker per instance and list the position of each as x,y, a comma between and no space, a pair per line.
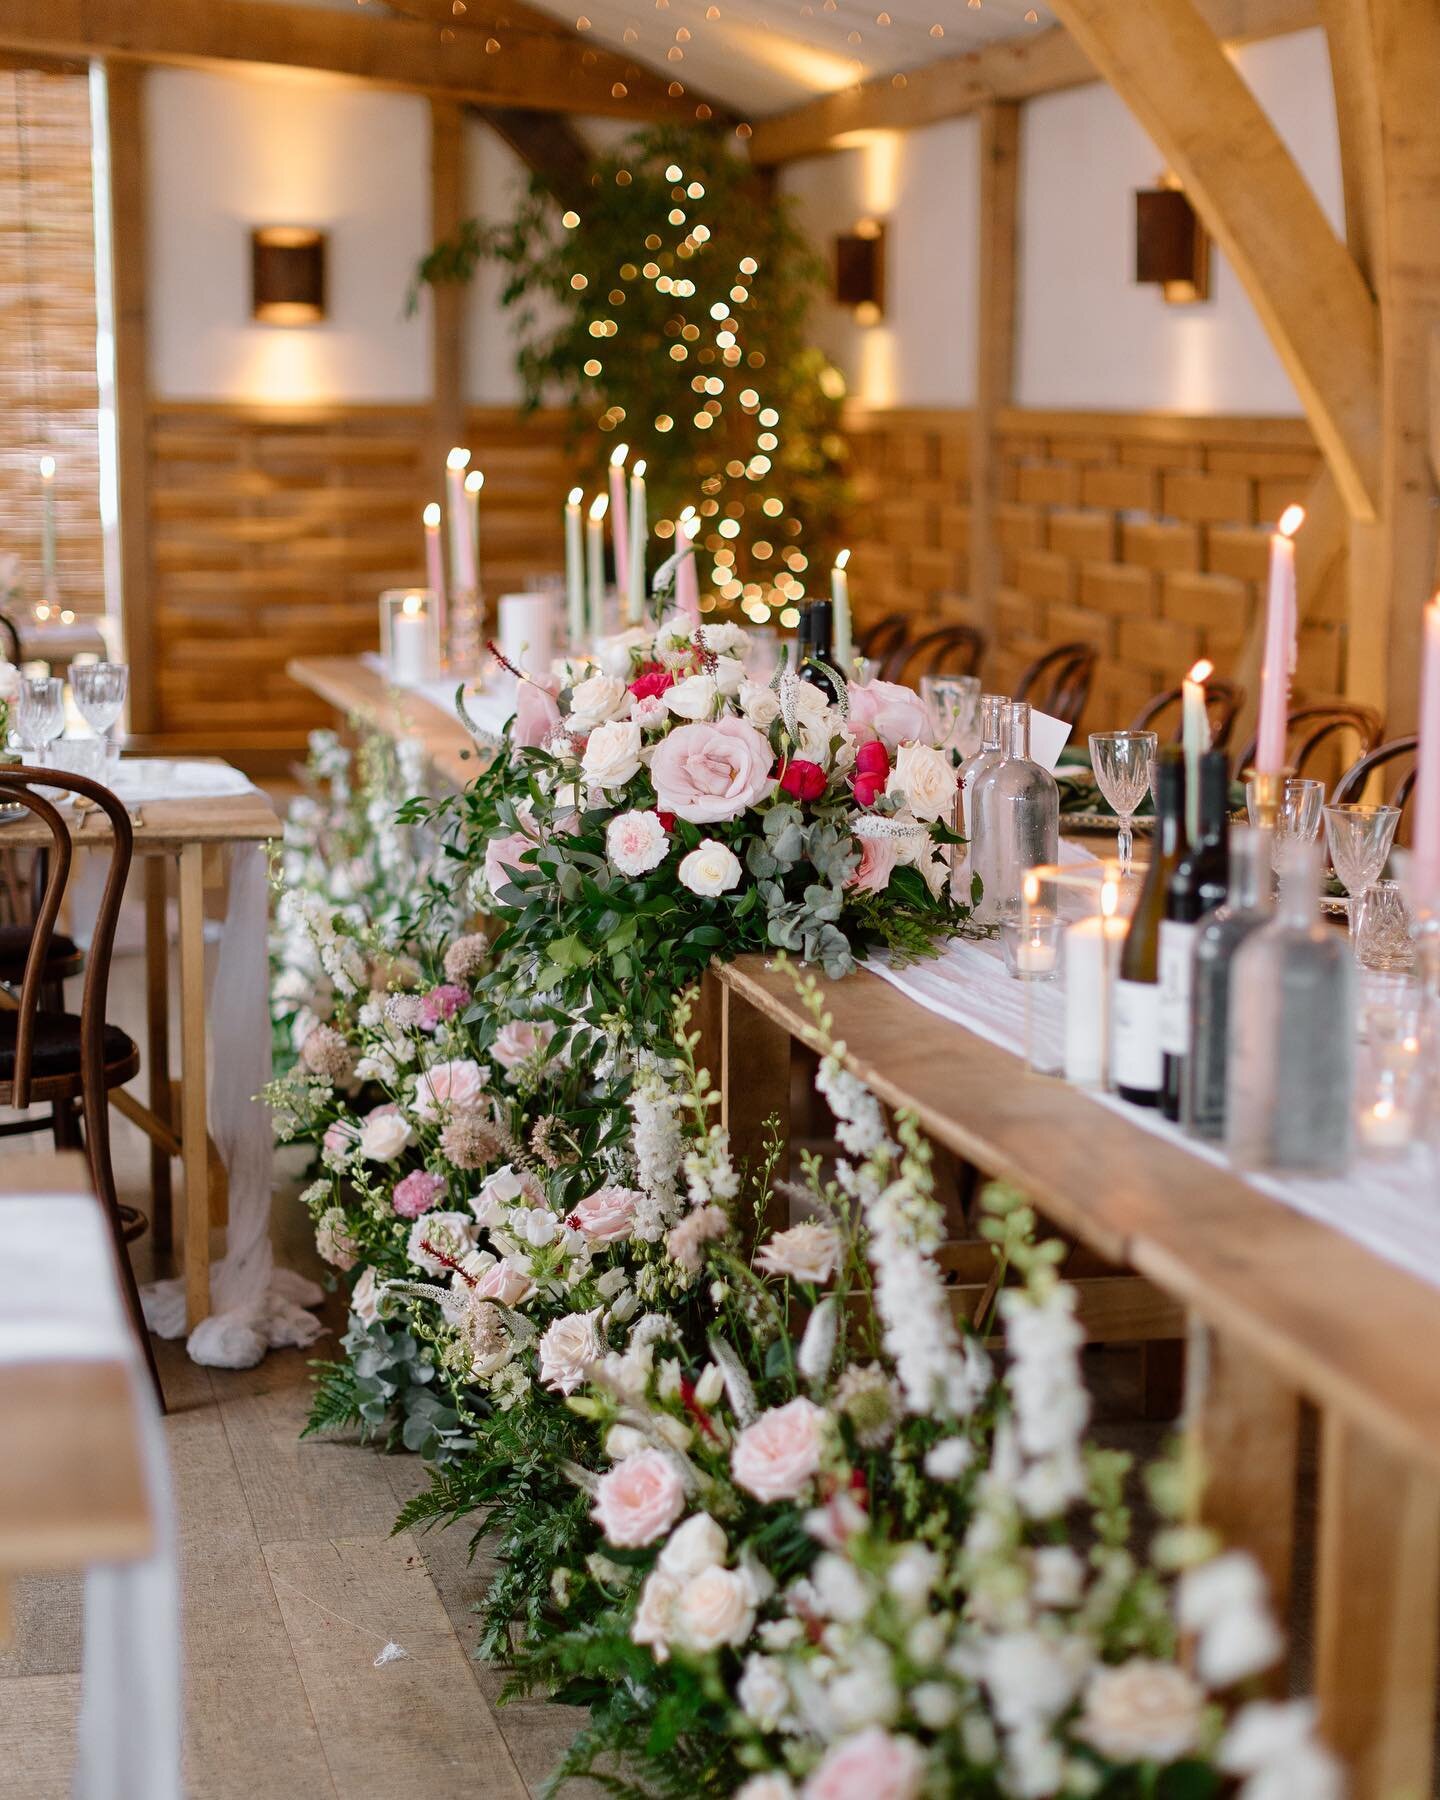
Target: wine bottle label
1177,959
1137,1055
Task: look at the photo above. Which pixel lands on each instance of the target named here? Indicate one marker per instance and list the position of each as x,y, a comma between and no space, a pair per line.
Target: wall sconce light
287,274
1172,247
860,271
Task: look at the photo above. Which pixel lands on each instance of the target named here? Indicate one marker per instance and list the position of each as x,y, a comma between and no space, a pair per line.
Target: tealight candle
1385,1125
1032,946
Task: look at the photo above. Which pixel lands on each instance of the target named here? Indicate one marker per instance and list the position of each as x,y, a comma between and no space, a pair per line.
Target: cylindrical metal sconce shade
287,274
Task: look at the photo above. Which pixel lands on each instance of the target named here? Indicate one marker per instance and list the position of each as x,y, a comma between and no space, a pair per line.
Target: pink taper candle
620,519
435,561
1280,622
462,548
687,577
1427,778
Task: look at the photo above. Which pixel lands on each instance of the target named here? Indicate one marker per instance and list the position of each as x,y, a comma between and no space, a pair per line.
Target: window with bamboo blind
48,386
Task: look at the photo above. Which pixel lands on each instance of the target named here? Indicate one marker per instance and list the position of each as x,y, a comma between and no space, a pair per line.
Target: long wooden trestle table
1276,1307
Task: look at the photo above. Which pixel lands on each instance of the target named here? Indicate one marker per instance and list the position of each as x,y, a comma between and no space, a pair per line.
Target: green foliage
387,1388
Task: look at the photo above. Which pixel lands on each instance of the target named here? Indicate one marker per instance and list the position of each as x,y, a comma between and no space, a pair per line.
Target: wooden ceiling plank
551,73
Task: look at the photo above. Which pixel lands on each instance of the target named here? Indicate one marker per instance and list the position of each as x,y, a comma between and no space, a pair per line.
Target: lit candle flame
1202,671
457,459
474,481
598,506
431,516
412,604
576,496
47,468
1109,898
842,560
1032,889
1291,520
618,455
639,468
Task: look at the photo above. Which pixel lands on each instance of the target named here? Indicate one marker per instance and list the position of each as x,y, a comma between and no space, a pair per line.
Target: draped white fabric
59,1300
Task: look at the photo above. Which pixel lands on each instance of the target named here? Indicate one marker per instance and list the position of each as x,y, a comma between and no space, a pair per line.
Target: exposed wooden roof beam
557,71
1019,68
550,148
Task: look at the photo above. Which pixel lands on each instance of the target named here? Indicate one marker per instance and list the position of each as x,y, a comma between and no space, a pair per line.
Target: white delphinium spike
817,1346
738,1390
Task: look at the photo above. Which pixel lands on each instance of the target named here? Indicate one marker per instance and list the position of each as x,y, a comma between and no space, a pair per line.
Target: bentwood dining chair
1352,784
10,639
1223,700
952,650
877,643
1310,730
1058,682
49,1055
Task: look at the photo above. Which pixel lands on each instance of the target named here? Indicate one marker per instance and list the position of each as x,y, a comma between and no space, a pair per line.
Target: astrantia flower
711,868
470,1141
417,1193
774,1458
636,842
639,1499
568,1348
467,957
807,1252
869,1399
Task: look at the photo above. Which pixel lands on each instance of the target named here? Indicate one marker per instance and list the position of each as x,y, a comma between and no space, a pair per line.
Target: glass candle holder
410,634
1078,911
1389,1073
1032,946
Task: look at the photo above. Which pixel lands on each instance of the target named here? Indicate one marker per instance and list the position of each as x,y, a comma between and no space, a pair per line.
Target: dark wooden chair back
1223,700
1058,682
19,784
1351,785
1311,729
877,643
10,639
952,650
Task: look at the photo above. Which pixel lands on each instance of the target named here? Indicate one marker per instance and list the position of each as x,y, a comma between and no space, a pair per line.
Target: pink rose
339,1137
607,1216
775,1457
639,1499
872,1765
536,716
503,1283
877,858
417,1193
711,771
502,859
448,1087
885,710
442,1003
520,1041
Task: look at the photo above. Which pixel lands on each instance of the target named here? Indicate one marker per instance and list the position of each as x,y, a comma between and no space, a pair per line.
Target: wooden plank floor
292,1585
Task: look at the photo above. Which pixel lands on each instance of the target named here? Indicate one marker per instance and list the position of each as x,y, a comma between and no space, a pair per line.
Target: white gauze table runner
256,1306
489,707
60,1301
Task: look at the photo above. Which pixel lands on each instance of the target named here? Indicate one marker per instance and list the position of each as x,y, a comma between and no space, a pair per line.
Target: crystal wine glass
1382,930
1360,838
1302,806
953,704
40,715
1121,761
99,689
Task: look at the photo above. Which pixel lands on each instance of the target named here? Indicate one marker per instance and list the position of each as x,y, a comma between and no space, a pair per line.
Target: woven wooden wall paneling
1144,534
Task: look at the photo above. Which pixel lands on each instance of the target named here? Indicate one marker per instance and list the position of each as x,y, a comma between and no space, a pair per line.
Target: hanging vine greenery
668,309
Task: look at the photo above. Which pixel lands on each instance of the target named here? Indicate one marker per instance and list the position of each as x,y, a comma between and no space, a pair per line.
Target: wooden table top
246,818
360,692
1340,1324
74,1489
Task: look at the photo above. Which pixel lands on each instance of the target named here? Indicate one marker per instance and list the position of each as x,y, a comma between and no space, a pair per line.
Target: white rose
926,780
654,1622
596,699
612,755
568,1348
383,1135
759,703
762,1692
615,653
712,868
636,842
934,1703
692,698
839,1589
729,674
1142,1711
651,712
714,1608
863,1696
695,1546
726,639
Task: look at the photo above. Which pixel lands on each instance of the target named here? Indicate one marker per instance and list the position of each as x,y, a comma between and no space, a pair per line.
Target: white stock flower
1272,1744
949,1459
911,1578
693,698
817,1345
925,777
612,755
596,700
840,1589
1058,1576
636,842
762,1691
1032,1678
864,1694
693,1547
1223,1602
711,868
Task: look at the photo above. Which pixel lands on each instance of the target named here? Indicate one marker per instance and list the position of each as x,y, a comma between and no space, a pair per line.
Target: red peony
652,682
805,780
667,819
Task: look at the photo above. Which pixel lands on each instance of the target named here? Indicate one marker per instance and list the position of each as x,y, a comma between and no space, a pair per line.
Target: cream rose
1142,1711
333,1239
568,1348
383,1134
654,1620
872,1765
448,1087
775,1457
612,756
760,704
806,1252
597,699
692,698
706,773
729,675
699,1544
636,842
925,778
711,868
608,1215
715,1608
639,1499
365,1302
762,1691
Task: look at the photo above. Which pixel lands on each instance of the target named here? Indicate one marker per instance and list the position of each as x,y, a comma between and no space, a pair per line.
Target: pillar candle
619,518
639,532
574,569
526,632
1427,777
48,586
410,643
840,595
1280,623
462,551
1195,737
595,566
435,561
1092,950
687,576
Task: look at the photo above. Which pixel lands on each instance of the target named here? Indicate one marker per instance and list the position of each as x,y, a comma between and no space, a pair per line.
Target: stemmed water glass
1360,838
1122,761
99,689
1302,805
953,704
40,715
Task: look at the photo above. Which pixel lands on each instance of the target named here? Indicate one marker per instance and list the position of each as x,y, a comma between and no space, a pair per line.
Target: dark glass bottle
1247,907
1138,1065
1197,887
817,649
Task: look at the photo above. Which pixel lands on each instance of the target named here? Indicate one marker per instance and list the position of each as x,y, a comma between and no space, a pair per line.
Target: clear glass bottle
1291,1064
1014,821
1247,907
994,709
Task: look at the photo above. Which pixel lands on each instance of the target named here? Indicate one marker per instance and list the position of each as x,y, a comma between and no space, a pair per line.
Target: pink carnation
877,858
417,1193
872,1765
775,1457
711,771
885,710
442,1003
639,1499
606,1216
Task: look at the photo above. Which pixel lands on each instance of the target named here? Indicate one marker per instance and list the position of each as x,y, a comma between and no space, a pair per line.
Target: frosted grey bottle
1247,907
1014,821
1292,1033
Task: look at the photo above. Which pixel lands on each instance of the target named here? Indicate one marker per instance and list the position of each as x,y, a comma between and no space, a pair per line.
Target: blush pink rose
417,1193
877,858
448,1087
639,1499
502,859
536,715
711,771
872,1765
340,1137
503,1283
607,1216
885,710
775,1457
520,1041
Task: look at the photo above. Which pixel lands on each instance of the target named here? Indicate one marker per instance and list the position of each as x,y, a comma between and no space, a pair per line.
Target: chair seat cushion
15,947
57,1045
